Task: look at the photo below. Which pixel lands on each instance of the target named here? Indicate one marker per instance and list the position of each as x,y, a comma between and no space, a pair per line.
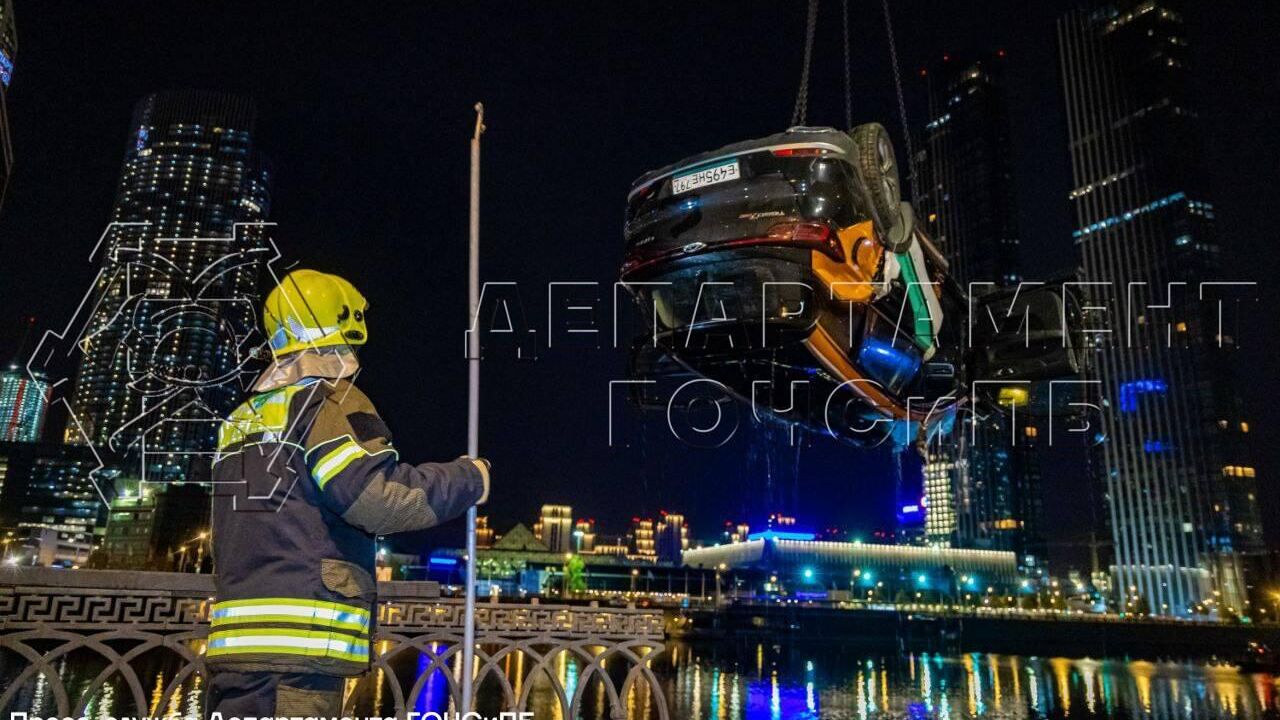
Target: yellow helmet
310,309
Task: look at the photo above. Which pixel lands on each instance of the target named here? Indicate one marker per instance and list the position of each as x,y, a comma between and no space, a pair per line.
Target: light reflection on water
761,682
779,683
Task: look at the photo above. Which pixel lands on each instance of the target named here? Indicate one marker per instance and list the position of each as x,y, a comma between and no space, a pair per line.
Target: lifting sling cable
800,114
848,69
902,104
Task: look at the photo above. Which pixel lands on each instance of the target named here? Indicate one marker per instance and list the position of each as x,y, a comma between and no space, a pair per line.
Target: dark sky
366,115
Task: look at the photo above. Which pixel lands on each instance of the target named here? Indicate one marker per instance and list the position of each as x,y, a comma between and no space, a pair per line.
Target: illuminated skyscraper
980,487
1180,491
998,507
178,287
966,188
24,401
944,471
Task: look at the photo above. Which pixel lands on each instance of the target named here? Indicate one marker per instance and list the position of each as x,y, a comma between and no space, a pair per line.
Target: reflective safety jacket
304,480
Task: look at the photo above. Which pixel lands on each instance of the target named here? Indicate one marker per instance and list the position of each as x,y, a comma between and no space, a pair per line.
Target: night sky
365,114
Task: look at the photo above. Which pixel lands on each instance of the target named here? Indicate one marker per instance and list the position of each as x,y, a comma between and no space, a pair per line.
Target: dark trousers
260,694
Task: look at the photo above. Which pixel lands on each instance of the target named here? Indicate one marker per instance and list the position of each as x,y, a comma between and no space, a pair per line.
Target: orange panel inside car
851,280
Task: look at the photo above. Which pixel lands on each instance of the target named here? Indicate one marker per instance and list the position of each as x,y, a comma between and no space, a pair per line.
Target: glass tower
24,400
982,484
965,168
177,293
1180,490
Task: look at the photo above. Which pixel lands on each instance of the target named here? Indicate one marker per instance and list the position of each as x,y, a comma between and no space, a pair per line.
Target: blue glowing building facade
1180,492
8,51
863,571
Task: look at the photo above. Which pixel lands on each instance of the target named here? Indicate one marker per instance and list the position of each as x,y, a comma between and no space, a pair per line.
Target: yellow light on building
1013,396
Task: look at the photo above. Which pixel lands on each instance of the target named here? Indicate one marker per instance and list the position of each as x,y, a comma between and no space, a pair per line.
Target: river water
765,682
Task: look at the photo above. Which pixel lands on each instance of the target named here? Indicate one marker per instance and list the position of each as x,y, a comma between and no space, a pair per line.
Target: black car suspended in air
791,262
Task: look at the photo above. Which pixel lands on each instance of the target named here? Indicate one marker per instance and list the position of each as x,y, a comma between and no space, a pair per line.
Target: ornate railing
118,627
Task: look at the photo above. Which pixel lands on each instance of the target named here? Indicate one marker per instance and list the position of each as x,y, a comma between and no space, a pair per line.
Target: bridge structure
119,627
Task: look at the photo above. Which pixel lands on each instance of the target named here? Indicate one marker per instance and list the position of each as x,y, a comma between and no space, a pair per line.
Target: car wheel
899,236
879,168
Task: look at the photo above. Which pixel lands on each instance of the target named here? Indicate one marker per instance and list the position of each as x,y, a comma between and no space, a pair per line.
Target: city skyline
667,471
785,359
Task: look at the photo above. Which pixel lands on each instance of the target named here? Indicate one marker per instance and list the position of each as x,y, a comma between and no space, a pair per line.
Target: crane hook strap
801,111
902,103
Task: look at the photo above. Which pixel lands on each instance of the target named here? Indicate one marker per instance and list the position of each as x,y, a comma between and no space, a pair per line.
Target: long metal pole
473,412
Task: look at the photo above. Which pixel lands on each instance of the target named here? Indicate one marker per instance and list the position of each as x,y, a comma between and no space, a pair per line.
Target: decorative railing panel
70,639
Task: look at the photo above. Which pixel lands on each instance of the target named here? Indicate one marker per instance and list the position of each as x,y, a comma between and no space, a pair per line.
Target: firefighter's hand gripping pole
473,412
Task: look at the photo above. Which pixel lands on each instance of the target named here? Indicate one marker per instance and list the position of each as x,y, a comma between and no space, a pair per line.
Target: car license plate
702,177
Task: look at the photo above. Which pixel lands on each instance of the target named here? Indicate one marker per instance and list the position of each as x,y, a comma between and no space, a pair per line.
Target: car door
1027,333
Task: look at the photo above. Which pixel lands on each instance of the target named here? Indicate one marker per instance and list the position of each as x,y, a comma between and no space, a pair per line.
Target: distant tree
574,574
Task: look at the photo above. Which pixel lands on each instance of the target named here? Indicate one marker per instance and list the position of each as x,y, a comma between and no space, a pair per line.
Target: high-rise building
981,486
165,353
49,500
999,507
944,471
1180,490
967,200
555,528
24,402
8,51
179,286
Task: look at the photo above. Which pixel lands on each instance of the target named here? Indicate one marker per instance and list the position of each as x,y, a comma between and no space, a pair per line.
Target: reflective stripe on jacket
305,478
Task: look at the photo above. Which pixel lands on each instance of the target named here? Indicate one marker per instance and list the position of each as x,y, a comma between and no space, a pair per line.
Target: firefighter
306,477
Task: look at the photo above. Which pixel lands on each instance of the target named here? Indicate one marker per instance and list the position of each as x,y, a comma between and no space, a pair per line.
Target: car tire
899,236
879,168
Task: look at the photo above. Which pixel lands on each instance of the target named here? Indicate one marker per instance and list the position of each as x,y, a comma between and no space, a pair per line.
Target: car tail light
812,235
817,236
799,152
801,232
